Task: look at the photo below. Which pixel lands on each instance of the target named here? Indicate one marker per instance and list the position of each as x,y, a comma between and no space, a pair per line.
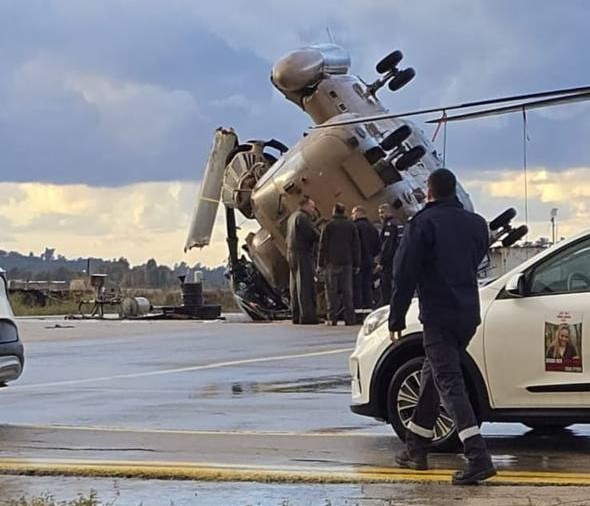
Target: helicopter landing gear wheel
515,235
396,137
389,62
403,78
503,219
411,158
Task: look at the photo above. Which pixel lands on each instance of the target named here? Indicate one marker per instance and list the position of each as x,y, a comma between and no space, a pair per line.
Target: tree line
49,266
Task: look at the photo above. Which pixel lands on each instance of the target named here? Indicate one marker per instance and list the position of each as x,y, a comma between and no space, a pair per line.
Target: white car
11,348
529,361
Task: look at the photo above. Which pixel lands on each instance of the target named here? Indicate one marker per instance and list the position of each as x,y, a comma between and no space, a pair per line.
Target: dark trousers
442,378
363,288
386,286
302,288
339,292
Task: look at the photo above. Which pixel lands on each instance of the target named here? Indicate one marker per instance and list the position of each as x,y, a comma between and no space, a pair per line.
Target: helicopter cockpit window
566,272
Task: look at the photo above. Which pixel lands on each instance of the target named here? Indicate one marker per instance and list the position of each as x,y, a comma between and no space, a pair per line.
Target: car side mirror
515,285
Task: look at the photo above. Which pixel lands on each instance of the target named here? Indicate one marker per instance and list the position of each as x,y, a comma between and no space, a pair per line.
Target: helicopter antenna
442,123
330,35
525,139
445,143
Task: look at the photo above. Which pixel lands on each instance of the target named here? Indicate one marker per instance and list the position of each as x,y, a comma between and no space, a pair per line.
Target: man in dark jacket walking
370,248
439,255
301,239
389,245
339,255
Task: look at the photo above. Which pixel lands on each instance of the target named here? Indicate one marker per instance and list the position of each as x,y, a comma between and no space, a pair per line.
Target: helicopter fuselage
385,160
336,164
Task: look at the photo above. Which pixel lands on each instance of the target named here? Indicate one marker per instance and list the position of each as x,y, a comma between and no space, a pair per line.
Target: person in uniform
370,244
440,252
301,240
389,243
339,255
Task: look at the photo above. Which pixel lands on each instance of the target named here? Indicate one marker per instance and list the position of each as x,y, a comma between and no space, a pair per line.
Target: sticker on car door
563,342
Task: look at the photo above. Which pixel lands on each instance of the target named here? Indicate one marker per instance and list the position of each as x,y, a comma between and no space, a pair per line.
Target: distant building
503,260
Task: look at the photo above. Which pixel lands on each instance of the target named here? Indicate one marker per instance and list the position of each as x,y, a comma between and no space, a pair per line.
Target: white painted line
216,365
189,432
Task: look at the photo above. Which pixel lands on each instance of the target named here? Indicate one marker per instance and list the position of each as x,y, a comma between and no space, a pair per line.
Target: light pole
553,225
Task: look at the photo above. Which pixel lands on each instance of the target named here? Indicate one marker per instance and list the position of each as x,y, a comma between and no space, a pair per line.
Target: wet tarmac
185,375
182,493
223,395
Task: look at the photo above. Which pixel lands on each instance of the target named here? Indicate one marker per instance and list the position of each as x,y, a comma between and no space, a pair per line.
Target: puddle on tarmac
333,384
328,384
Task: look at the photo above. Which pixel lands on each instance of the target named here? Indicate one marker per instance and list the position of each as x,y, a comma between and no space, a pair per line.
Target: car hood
487,294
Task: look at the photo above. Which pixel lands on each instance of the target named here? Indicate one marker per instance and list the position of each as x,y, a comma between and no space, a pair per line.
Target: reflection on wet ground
345,448
329,384
179,493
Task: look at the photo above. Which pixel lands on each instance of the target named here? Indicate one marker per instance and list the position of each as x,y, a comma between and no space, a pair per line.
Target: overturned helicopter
358,153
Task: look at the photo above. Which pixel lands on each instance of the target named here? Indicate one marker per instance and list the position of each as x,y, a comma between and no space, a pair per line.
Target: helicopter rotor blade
536,104
568,92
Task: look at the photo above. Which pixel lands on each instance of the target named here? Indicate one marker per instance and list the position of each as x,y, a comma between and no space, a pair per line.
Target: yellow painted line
215,365
218,472
190,432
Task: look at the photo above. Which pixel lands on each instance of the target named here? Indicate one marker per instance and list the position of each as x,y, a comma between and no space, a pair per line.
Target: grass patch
21,306
25,306
91,499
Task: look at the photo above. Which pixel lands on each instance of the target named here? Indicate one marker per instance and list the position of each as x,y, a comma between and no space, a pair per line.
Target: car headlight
375,320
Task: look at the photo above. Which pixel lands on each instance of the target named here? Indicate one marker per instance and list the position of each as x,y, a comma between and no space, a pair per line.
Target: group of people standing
351,254
438,258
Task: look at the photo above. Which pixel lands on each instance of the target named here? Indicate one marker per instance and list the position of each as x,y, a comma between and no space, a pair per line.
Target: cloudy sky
108,107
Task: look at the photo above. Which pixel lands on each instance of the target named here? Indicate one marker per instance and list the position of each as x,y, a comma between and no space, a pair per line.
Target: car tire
546,426
402,396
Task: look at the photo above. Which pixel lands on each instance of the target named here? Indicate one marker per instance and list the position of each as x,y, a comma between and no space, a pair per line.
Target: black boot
475,472
419,462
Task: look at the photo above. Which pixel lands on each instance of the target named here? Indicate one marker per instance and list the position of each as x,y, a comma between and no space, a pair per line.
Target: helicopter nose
298,70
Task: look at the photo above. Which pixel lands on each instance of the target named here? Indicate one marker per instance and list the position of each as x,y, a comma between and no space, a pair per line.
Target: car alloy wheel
402,397
407,399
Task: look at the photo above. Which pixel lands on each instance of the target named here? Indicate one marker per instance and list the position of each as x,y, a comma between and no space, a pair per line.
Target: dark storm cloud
112,91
